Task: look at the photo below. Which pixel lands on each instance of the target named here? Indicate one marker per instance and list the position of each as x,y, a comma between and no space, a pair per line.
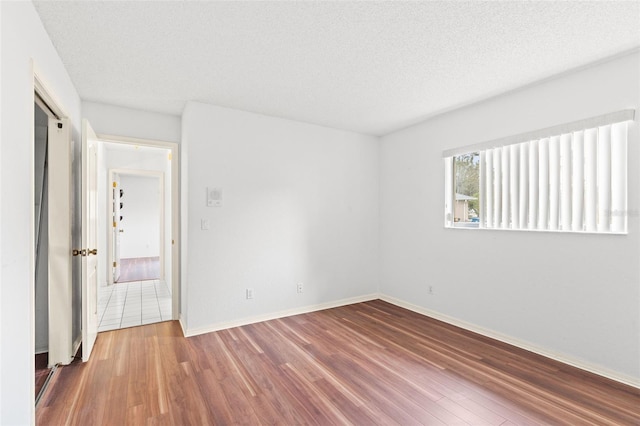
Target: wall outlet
300,287
249,293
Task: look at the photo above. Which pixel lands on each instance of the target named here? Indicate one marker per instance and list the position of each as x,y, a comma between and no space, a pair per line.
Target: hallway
131,304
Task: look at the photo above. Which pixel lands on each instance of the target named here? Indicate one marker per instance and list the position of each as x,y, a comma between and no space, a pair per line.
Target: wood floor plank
363,364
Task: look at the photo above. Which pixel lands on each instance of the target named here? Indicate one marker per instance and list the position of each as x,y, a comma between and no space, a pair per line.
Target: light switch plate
214,197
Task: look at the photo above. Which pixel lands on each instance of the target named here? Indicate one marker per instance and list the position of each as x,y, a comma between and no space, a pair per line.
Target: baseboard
183,325
275,315
574,362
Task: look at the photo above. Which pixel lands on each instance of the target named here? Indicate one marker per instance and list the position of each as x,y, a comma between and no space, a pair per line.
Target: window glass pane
466,208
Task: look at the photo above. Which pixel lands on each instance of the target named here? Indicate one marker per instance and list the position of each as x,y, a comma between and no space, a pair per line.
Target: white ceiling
370,67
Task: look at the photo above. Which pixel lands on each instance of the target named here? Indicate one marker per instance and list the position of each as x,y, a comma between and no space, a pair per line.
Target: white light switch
204,224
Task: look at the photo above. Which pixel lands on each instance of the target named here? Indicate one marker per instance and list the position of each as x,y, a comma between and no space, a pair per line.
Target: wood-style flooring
139,269
370,363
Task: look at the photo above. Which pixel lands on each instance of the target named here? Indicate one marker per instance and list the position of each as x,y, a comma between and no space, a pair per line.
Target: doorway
138,229
138,280
51,215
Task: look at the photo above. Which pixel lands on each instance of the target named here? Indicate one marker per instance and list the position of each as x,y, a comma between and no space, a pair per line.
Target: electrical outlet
249,293
300,287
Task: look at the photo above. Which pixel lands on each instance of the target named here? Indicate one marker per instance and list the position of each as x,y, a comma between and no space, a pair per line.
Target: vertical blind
571,181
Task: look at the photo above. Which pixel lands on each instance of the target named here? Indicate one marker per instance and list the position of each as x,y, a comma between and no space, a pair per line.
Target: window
466,183
569,178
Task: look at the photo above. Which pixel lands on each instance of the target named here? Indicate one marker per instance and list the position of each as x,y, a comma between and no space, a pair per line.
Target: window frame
567,144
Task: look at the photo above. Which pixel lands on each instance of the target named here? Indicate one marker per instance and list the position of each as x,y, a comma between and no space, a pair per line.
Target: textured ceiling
370,67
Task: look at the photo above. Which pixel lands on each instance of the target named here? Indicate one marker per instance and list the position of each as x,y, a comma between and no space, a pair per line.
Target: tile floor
130,304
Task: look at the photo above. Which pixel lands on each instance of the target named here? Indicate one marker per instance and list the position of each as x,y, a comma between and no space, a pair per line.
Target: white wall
575,296
300,205
141,213
23,38
132,123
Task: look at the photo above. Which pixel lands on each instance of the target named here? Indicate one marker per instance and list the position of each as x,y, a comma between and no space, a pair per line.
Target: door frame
147,173
41,90
175,207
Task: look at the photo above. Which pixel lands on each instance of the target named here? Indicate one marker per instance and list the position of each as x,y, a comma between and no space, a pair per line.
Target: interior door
89,239
118,194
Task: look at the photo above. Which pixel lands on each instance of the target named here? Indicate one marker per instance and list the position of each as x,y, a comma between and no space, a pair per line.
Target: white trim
275,315
46,95
183,325
563,358
137,141
574,126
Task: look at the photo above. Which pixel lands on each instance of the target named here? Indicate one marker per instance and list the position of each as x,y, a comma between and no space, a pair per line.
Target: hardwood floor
368,363
139,269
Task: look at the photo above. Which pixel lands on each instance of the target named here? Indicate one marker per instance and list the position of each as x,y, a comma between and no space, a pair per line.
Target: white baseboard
183,325
563,358
275,315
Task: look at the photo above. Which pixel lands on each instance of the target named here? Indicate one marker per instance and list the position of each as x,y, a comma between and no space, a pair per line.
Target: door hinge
114,224
114,264
115,184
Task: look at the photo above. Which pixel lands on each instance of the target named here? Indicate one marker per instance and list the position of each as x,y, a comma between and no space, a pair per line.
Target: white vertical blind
483,187
504,223
618,177
497,180
577,181
604,178
574,180
523,189
543,184
590,177
533,184
554,182
514,186
565,182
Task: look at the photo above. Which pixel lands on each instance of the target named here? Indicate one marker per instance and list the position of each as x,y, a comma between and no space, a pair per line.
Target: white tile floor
135,303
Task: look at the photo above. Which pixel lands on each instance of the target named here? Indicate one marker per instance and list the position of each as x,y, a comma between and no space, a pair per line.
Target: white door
89,239
59,248
117,228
